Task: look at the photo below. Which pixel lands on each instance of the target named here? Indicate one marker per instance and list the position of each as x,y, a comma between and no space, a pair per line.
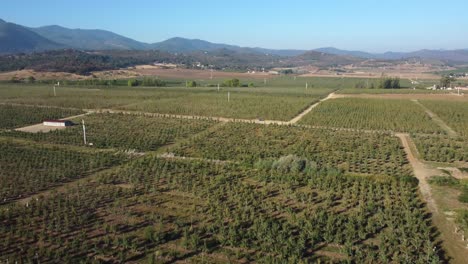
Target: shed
59,123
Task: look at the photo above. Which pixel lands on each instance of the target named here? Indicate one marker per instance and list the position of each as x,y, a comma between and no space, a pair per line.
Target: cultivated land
181,175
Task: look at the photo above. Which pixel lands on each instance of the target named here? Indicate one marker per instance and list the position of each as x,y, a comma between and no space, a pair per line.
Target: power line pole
84,131
229,95
218,87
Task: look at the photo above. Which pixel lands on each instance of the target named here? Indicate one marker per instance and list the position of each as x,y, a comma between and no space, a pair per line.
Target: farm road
452,242
436,119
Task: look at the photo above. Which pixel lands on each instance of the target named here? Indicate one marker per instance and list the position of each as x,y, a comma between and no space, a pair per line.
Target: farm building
59,123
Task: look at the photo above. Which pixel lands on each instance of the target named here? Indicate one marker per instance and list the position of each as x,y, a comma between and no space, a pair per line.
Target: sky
374,26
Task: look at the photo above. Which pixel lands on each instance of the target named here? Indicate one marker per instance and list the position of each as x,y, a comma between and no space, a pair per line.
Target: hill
89,39
184,45
16,39
447,56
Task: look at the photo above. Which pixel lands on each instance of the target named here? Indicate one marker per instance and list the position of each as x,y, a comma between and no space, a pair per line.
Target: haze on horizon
365,25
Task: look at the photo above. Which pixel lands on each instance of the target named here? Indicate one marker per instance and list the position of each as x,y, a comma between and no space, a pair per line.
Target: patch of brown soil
23,74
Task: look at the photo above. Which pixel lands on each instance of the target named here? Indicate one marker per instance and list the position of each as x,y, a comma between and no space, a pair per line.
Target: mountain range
20,39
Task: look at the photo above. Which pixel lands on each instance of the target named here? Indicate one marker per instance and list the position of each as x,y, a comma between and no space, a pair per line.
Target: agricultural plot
244,102
374,153
454,113
441,148
81,97
238,105
26,169
161,211
390,91
372,114
122,131
13,116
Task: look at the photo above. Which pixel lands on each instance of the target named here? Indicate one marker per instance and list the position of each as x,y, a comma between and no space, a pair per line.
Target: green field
14,116
372,114
121,131
244,102
441,148
376,154
199,212
28,168
166,189
454,113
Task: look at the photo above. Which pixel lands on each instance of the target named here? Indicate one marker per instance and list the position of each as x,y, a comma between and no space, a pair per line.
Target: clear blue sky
380,25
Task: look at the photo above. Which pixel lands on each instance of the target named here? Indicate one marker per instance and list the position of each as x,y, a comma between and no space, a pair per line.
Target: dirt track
421,172
42,128
452,242
437,120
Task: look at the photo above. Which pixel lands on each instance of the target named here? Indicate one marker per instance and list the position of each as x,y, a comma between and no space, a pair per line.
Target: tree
446,81
132,82
232,83
31,79
192,84
389,83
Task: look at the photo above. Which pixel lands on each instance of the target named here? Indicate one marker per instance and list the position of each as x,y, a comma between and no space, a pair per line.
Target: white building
57,123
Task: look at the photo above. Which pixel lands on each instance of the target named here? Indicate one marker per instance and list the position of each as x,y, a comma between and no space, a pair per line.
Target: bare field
175,73
23,74
403,75
449,97
39,128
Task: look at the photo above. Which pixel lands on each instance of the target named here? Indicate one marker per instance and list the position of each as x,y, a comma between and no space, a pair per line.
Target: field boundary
306,111
436,119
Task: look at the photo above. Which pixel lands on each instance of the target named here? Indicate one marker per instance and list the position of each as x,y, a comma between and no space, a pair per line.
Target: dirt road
452,242
305,112
437,119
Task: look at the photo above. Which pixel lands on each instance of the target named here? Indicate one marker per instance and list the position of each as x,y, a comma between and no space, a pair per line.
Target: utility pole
218,87
84,131
211,76
229,95
307,85
55,94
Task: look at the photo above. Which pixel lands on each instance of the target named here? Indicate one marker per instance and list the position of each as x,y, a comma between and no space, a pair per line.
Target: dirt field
374,69
450,97
173,73
39,128
44,129
23,74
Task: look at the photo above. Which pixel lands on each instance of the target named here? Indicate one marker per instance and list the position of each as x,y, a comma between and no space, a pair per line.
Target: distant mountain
89,39
443,55
354,53
183,45
318,58
16,39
